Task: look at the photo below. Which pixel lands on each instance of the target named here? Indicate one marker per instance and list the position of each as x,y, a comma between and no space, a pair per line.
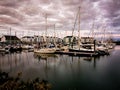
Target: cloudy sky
27,17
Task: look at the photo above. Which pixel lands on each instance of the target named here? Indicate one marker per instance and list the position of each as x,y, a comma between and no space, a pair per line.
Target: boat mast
79,27
75,23
54,31
93,35
46,30
103,37
104,33
10,35
46,24
79,23
54,37
74,27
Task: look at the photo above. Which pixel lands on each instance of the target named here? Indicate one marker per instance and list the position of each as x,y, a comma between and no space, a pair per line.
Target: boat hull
45,50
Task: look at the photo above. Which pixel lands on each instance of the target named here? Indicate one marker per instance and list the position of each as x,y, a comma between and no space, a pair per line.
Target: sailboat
102,46
48,49
79,46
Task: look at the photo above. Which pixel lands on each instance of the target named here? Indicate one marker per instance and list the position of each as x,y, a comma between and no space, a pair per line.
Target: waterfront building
68,40
39,38
73,40
48,39
87,40
27,39
10,39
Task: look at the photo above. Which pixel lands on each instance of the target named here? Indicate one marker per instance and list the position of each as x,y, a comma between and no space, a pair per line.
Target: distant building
48,39
56,40
87,40
27,39
69,40
9,39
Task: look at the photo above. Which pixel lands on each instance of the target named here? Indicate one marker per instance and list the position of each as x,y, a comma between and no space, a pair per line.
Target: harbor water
66,72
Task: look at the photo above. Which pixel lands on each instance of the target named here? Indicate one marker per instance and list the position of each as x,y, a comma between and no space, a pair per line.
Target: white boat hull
45,50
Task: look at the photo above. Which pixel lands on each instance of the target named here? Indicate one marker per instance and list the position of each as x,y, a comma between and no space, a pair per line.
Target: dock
77,53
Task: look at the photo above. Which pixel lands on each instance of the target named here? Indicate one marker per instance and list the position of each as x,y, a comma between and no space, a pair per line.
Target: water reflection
14,62
61,70
87,58
44,56
21,61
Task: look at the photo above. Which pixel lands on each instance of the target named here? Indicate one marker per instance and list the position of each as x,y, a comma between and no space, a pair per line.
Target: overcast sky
27,17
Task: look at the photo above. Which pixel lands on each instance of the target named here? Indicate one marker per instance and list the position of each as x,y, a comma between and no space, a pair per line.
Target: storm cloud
29,15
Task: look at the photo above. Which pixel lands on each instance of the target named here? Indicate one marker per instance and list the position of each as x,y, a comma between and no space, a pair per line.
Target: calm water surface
67,72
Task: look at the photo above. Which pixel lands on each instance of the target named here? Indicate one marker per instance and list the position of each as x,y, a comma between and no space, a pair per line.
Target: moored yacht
45,50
